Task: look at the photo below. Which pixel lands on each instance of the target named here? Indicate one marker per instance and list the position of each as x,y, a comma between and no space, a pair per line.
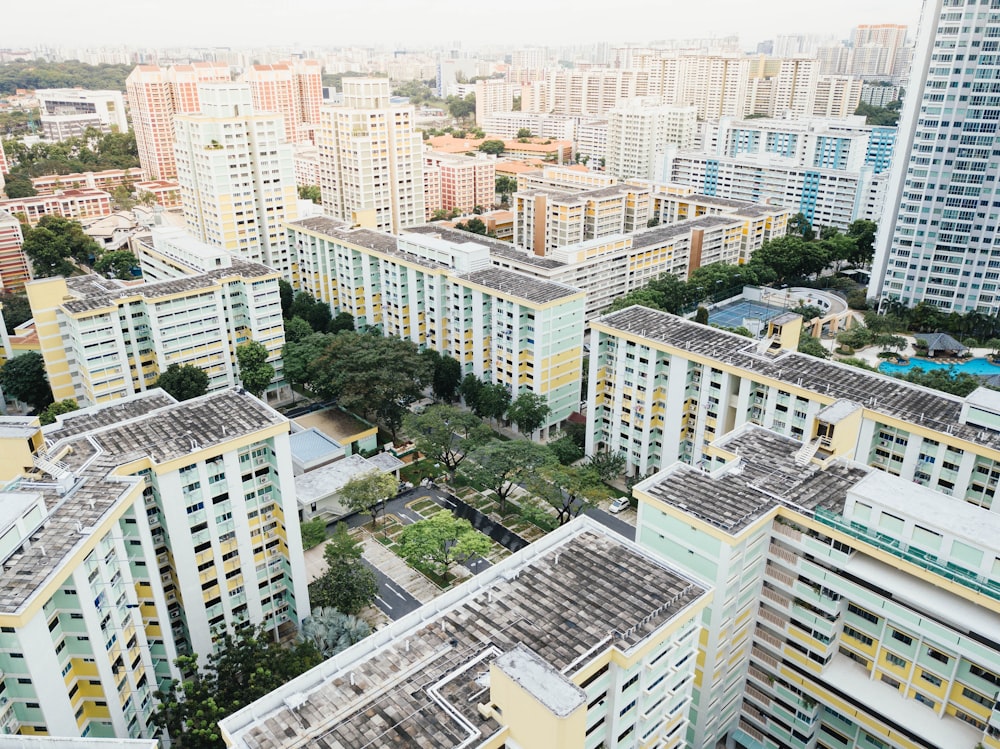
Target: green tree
565,450
296,329
245,666
310,192
473,225
117,264
878,115
320,318
946,380
331,631
445,434
371,375
799,226
569,490
440,541
495,147
19,186
367,492
812,346
54,243
505,187
529,411
16,310
24,379
342,321
492,401
863,232
460,107
287,294
255,371
32,74
300,358
446,378
183,382
122,197
609,465
471,388
501,465
346,584
51,411
524,132
701,315
791,257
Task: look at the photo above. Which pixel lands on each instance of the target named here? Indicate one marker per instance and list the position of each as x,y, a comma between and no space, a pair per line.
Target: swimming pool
971,366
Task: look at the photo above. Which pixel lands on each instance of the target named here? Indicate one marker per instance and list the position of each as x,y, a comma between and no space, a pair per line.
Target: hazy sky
415,23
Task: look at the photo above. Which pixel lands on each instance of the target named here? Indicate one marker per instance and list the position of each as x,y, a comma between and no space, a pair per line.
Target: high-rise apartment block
155,96
236,175
291,88
14,272
68,112
936,242
465,181
103,340
4,166
640,131
480,668
874,49
493,96
371,159
132,530
501,325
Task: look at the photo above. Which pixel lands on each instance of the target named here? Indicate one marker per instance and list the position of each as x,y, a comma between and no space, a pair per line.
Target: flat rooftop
520,286
828,380
763,476
368,238
496,246
667,232
568,597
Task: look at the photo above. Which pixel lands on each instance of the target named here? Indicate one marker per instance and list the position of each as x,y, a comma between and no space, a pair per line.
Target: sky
421,23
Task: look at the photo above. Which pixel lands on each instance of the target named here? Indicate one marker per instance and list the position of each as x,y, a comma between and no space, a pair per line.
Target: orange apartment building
291,88
13,264
75,204
464,181
106,180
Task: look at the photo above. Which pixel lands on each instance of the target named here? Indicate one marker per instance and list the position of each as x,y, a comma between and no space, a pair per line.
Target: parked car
621,503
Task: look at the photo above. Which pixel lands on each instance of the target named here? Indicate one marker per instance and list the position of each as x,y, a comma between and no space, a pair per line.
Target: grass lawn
418,470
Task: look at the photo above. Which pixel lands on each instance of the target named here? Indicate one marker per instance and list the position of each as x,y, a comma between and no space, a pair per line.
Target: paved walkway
397,570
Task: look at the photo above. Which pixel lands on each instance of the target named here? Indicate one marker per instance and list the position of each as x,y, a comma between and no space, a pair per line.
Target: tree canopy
183,382
441,540
346,584
368,492
501,465
495,147
16,309
255,371
51,411
24,378
445,434
331,631
55,243
117,264
529,411
33,74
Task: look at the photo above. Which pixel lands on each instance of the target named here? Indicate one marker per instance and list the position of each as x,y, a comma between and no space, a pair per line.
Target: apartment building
664,388
508,124
14,271
935,243
608,267
875,49
501,325
466,182
592,142
132,530
155,96
583,93
851,608
359,183
493,96
879,95
106,180
104,339
640,131
4,166
546,219
75,204
236,175
479,666
564,178
69,112
292,88
837,96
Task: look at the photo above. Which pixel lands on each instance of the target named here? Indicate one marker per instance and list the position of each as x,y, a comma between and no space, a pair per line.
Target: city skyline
440,22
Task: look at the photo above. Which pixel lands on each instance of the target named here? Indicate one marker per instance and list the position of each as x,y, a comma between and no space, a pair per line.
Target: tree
320,317
505,187
367,492
19,186
500,465
296,329
313,533
791,257
608,465
371,375
863,232
524,132
799,225
246,665
117,264
946,380
529,411
54,243
569,489
473,225
441,540
446,378
255,372
811,346
311,192
492,401
460,107
24,379
471,388
287,294
121,196
51,411
565,450
342,321
445,434
183,382
16,310
331,631
495,147
300,358
346,584
701,315
877,115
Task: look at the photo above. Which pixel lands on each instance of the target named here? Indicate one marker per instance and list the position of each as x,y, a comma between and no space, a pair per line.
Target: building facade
14,271
135,529
935,242
103,340
68,112
236,175
466,182
493,96
292,88
75,204
640,131
371,159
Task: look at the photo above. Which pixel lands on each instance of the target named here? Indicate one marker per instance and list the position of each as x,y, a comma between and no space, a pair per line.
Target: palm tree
331,631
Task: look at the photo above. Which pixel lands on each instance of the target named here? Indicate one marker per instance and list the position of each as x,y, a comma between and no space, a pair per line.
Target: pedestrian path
399,571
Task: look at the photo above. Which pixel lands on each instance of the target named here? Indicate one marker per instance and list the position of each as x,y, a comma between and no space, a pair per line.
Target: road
392,598
613,522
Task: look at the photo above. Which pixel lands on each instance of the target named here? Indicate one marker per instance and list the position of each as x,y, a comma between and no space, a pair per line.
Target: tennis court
732,315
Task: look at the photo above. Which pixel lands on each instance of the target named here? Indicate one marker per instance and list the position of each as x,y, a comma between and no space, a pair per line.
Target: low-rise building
503,660
131,530
74,204
106,180
69,112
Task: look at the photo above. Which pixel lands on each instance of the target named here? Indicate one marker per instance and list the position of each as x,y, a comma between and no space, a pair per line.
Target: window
924,700
903,638
859,636
976,697
930,678
895,660
938,656
860,612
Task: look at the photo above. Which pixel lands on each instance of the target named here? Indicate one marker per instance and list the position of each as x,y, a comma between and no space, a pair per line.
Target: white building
936,241
640,131
236,175
493,96
371,159
67,112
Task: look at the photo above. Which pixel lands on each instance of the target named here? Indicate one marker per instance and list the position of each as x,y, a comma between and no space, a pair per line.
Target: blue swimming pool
972,366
